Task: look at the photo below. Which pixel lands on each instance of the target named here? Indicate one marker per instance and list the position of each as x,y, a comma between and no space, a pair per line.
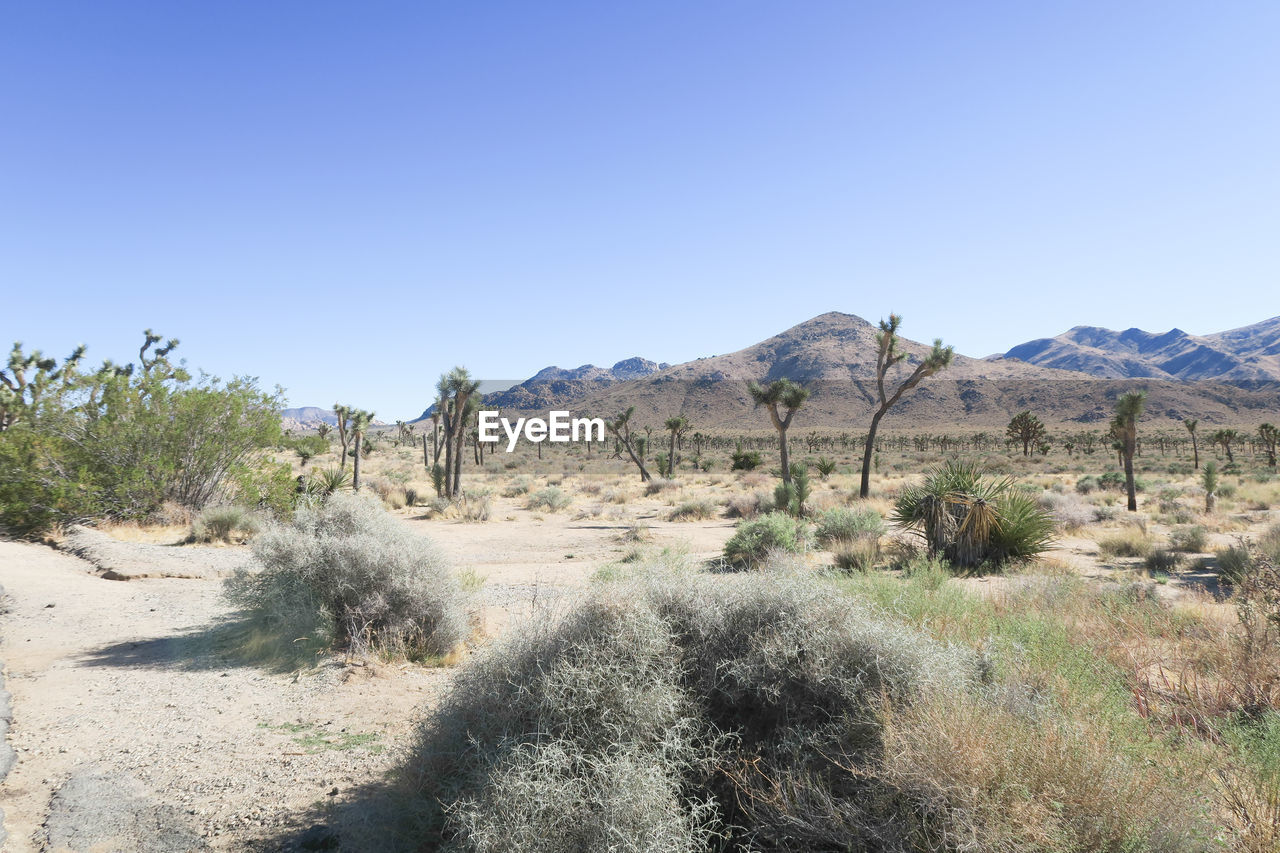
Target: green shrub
223,523
1234,563
349,572
551,499
521,485
1087,484
754,539
971,520
848,523
744,460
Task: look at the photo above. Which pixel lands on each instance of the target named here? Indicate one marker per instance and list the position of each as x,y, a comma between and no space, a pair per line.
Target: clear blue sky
349,198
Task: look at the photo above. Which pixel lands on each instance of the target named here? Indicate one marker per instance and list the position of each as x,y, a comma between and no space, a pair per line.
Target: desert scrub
1069,511
693,511
521,485
349,572
847,523
756,538
971,519
670,714
660,485
224,524
749,505
1126,542
1192,540
551,499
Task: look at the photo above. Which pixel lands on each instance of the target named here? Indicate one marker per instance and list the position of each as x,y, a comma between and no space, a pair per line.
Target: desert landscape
229,677
653,427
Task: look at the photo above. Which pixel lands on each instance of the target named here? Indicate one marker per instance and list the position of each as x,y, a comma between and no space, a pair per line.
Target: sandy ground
131,705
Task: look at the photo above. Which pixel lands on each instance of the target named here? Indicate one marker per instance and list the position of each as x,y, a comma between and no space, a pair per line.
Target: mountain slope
1244,356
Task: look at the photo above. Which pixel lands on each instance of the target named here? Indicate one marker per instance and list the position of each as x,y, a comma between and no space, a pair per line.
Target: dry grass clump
350,573
224,524
1069,510
699,510
659,485
704,714
749,505
1126,542
1190,540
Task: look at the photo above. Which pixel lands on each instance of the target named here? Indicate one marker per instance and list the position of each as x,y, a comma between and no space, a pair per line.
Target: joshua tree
26,378
888,355
323,430
1269,435
344,432
790,396
1026,428
1191,424
1125,428
1209,478
620,428
1226,438
456,402
360,421
675,426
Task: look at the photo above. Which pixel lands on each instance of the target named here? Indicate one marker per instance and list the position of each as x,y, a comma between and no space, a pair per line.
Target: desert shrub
749,506
224,524
1087,484
521,485
1126,542
855,554
391,493
672,715
474,505
1069,511
659,485
349,571
1234,563
120,442
551,499
693,511
1269,543
1189,539
847,524
745,460
1161,560
971,519
411,496
826,466
754,539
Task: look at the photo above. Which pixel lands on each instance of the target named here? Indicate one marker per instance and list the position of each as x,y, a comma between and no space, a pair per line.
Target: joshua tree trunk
357,439
1129,485
864,488
671,457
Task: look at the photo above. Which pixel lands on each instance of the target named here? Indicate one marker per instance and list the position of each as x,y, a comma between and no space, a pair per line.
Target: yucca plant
325,483
971,520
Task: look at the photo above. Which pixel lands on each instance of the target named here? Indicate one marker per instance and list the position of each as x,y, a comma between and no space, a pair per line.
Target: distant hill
834,355
309,417
1246,356
556,387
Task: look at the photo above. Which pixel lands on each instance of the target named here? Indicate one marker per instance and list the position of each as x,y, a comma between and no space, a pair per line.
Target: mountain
309,417
1246,356
558,387
834,355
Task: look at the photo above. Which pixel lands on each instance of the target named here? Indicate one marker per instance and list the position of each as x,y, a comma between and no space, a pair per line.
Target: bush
847,524
693,511
749,506
1192,540
1269,543
351,572
1127,542
860,554
521,485
1069,511
970,519
222,523
551,499
669,714
1161,560
1087,484
659,485
1234,563
745,460
752,542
